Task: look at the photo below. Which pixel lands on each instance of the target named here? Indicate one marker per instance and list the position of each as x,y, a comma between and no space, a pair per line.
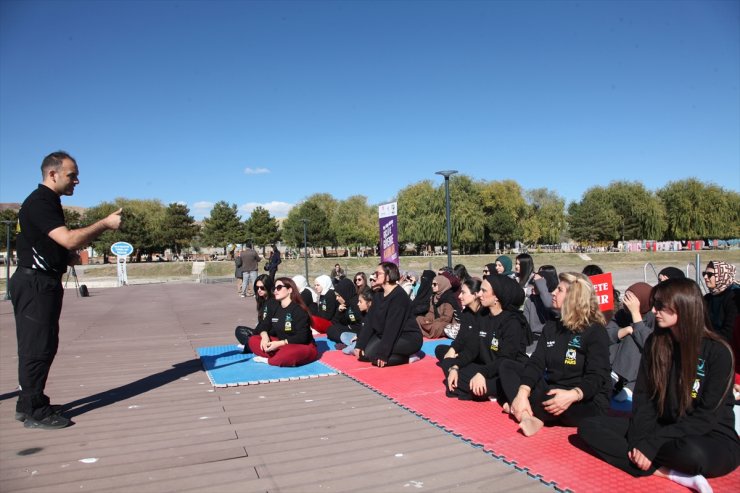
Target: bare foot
506,408
530,425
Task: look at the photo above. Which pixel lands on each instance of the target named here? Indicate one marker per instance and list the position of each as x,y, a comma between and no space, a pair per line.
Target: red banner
604,289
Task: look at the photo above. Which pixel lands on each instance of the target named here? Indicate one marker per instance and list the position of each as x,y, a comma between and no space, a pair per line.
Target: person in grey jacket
628,330
538,305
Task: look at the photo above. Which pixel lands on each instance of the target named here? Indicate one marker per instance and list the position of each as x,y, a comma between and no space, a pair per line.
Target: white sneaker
259,359
242,295
240,347
414,359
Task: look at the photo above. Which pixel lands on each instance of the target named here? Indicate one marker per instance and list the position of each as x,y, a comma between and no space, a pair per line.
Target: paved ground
147,419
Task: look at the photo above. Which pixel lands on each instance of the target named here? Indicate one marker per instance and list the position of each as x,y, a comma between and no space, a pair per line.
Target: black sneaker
51,422
21,416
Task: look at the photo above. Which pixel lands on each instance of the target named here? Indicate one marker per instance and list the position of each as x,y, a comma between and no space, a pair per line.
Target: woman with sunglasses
390,334
360,283
443,309
721,299
682,426
284,336
567,378
263,297
503,335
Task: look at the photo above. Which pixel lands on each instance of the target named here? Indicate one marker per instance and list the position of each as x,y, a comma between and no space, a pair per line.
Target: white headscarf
302,284
325,282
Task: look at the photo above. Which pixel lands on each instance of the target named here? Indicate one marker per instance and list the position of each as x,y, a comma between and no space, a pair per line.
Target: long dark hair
295,294
683,297
268,284
360,289
526,268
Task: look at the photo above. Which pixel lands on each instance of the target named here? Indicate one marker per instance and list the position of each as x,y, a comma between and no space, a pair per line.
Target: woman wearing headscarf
443,309
474,374
503,266
721,305
567,377
421,302
670,273
628,331
348,317
682,426
326,306
390,334
308,295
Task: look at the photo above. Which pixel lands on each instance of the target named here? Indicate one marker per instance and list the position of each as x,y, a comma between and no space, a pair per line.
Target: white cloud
275,208
201,209
256,171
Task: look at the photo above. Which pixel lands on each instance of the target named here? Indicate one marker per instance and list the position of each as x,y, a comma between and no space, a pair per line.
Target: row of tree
482,213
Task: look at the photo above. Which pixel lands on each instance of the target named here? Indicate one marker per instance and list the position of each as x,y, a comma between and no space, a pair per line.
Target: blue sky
265,103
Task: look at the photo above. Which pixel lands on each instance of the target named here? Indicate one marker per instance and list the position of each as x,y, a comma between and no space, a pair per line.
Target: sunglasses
486,271
359,279
260,288
379,274
660,306
435,284
279,287
708,274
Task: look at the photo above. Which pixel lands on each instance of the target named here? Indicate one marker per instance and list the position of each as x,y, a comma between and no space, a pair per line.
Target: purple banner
388,233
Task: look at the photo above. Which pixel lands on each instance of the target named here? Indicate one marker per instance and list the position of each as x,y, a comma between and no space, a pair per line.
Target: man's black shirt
41,213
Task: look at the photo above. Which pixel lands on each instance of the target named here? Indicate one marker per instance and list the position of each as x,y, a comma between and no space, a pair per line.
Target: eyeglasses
379,274
260,288
279,287
708,274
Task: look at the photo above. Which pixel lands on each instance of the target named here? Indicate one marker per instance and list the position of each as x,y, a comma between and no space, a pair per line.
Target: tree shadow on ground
141,386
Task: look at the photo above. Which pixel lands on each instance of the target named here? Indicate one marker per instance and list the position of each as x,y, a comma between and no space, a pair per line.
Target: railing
645,271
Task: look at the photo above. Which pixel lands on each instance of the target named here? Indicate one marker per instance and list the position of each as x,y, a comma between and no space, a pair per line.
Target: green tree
355,223
316,226
467,218
12,216
421,215
223,226
641,215
102,243
546,220
593,218
72,218
696,210
178,227
262,227
503,207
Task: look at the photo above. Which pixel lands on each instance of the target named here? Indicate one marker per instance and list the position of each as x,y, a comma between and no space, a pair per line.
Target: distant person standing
273,262
238,270
250,263
43,244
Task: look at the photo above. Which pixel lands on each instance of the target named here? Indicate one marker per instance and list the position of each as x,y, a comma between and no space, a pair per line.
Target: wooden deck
147,419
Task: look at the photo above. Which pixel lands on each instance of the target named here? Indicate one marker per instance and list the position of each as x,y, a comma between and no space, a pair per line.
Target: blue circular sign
121,249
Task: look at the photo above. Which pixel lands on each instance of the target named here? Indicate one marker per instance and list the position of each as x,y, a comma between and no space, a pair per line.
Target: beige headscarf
724,275
443,284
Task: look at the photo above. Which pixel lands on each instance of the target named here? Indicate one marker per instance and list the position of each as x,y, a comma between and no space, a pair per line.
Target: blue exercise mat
227,366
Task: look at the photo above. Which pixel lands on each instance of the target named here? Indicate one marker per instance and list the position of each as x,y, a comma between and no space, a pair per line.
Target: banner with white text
388,219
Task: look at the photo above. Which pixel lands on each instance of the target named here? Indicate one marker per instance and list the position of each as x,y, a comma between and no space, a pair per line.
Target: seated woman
424,293
348,317
524,270
468,330
443,309
264,299
474,373
308,295
670,273
390,334
364,303
503,266
682,427
721,305
326,306
567,377
284,336
360,283
628,330
538,305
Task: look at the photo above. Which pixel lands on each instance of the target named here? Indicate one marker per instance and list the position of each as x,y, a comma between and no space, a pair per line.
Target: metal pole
7,259
305,246
447,174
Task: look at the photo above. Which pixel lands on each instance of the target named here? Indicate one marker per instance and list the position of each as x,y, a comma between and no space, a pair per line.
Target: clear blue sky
265,103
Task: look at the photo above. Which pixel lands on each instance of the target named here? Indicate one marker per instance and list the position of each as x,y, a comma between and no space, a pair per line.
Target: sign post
121,250
388,219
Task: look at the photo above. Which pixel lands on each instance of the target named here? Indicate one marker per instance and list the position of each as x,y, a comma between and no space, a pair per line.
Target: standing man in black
43,246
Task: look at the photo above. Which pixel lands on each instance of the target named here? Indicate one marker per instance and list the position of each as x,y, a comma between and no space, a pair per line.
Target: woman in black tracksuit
348,317
474,374
390,334
568,377
682,426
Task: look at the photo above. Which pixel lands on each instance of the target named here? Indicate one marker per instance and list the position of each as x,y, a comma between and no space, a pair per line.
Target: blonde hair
581,307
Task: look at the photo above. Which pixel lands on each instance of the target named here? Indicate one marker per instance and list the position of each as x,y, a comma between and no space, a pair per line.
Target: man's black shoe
21,416
51,422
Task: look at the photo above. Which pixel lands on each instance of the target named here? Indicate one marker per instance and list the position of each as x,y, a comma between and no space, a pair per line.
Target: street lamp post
447,173
7,258
305,246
